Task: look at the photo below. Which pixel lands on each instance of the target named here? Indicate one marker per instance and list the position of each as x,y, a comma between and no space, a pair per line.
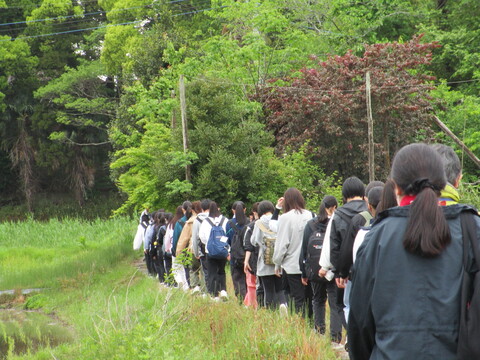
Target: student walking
322,288
408,273
237,253
291,226
215,262
262,237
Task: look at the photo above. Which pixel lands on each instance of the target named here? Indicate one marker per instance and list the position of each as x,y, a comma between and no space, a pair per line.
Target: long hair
240,216
327,202
178,216
213,210
293,200
418,170
388,198
187,206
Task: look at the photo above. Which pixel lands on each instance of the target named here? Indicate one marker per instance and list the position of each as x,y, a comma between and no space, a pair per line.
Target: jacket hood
353,207
265,219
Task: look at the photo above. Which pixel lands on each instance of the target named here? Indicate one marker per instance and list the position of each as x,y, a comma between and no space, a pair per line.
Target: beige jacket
185,239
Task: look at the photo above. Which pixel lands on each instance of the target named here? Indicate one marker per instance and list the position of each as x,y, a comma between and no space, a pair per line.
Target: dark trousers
239,279
216,275
150,266
272,291
323,289
168,264
297,292
159,267
341,306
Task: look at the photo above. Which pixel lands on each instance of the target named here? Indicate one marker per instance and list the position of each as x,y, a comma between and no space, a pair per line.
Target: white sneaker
223,295
196,289
283,310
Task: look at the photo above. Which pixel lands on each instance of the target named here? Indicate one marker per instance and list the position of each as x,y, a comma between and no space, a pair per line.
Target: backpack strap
367,216
221,221
312,226
209,221
264,228
233,226
200,220
469,237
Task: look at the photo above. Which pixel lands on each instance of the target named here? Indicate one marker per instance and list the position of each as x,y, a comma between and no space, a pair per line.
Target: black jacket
340,225
404,306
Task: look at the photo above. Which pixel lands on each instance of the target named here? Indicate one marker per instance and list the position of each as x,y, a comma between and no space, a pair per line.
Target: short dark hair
205,204
353,187
373,184
374,196
264,207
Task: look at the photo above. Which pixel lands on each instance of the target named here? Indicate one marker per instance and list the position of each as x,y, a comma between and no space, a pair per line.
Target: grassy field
104,308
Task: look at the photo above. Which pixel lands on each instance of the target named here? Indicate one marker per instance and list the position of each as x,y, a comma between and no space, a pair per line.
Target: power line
72,31
71,16
332,90
104,26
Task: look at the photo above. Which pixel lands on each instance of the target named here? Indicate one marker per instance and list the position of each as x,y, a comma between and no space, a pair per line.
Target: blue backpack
217,245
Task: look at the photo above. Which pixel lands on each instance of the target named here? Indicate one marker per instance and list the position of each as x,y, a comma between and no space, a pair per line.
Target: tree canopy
275,93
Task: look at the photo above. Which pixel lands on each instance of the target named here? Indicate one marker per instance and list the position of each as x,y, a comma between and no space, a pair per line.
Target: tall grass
131,317
34,254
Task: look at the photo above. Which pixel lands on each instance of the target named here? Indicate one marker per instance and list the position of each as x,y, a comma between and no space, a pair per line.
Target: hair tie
418,185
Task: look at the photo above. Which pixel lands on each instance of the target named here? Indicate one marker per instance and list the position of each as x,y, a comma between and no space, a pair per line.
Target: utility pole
174,115
183,109
371,160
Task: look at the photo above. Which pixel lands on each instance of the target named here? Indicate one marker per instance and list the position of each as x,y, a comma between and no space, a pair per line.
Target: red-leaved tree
326,106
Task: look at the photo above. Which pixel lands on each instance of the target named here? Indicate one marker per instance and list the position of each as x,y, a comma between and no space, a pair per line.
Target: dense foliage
275,93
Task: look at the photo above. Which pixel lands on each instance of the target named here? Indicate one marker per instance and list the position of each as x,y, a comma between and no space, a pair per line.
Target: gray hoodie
289,240
257,240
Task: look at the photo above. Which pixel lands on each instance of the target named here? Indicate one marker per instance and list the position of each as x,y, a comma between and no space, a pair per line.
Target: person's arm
249,249
184,238
196,238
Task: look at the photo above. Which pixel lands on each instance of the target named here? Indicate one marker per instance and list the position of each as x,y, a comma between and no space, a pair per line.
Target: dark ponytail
240,216
418,170
327,202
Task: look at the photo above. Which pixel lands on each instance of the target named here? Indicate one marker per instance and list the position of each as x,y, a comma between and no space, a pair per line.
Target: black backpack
237,251
157,243
469,328
314,249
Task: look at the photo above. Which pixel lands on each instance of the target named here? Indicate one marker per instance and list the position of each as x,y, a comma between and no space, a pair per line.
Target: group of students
390,260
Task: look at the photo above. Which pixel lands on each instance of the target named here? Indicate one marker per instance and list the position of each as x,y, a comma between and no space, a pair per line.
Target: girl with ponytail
407,278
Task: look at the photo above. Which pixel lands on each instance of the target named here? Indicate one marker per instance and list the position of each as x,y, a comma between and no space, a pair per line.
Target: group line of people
389,260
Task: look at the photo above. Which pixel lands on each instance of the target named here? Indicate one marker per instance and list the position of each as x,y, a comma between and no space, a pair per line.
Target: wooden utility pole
183,109
371,159
459,142
174,115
